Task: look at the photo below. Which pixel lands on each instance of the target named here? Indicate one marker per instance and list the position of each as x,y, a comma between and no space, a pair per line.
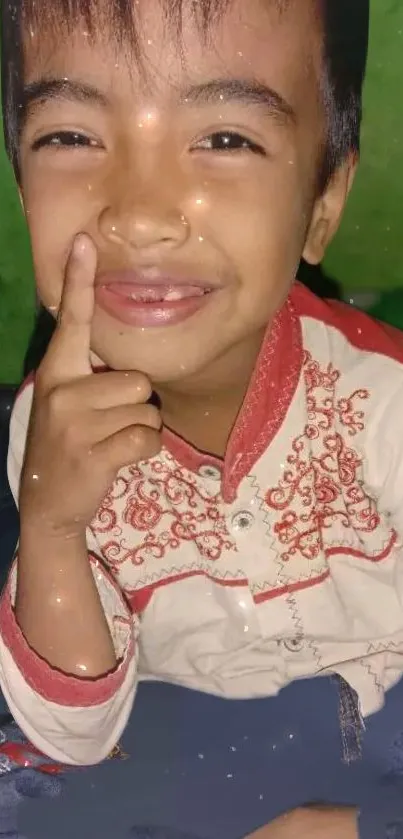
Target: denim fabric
192,766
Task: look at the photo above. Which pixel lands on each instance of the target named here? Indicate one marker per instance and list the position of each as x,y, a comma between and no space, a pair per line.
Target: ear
328,211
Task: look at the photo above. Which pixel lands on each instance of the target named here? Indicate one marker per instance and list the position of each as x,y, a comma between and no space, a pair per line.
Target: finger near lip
68,355
77,303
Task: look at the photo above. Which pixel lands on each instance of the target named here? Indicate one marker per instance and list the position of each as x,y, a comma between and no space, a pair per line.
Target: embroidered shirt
282,562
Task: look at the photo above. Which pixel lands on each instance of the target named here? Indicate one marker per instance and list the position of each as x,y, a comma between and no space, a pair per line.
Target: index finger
68,356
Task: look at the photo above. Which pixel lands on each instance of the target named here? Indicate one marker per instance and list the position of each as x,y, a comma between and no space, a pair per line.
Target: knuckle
145,442
138,436
56,400
142,387
151,417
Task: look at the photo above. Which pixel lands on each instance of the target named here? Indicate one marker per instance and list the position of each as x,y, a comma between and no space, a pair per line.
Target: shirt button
294,645
242,521
213,473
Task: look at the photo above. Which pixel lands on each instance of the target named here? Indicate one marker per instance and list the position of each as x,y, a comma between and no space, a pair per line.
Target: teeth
170,296
173,295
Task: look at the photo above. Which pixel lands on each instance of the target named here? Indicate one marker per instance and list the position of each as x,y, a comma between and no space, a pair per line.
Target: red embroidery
322,482
169,508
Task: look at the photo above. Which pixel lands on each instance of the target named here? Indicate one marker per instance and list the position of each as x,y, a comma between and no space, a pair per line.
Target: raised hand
84,426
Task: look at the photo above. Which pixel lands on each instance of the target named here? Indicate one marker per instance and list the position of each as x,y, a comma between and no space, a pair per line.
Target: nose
144,223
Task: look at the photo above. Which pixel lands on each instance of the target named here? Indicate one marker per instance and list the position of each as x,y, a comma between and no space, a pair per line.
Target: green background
367,253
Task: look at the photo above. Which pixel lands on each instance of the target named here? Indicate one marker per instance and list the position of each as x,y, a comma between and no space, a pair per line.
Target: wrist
327,822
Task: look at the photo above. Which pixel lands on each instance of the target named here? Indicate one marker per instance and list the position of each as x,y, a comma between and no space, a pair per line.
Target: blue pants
199,766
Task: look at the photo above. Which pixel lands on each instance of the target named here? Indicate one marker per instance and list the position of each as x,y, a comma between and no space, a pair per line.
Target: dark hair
345,28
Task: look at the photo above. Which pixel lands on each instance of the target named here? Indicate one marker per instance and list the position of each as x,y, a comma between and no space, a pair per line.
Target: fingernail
80,244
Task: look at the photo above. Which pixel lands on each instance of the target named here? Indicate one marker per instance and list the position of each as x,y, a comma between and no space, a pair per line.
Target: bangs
120,18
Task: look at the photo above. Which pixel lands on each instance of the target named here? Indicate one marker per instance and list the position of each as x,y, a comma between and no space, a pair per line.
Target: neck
203,408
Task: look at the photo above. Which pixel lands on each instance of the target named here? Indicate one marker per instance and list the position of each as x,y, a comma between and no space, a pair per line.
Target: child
208,463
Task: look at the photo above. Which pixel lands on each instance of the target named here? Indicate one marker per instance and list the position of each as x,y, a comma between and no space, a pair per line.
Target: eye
228,142
65,140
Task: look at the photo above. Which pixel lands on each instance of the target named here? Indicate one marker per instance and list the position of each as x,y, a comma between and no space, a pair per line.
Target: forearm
312,823
58,607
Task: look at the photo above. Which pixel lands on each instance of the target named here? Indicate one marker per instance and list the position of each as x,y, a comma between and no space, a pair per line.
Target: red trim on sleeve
51,684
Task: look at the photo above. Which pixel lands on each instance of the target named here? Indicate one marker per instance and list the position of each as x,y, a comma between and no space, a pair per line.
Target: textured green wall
368,253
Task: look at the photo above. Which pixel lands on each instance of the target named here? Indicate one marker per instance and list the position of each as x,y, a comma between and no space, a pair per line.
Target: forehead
163,40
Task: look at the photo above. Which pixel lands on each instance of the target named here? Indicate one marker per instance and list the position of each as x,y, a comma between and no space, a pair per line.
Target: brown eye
227,142
65,140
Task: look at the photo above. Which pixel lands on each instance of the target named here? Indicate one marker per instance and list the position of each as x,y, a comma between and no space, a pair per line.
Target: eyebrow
217,91
42,91
245,92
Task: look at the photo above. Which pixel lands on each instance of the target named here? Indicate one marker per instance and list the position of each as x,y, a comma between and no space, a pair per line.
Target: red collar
268,398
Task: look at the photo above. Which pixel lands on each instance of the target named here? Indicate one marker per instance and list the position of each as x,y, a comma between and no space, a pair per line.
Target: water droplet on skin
58,600
199,202
35,477
246,628
201,238
82,667
149,42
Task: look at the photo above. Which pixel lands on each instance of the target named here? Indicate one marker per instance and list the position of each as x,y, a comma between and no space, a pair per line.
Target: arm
312,823
44,700
67,648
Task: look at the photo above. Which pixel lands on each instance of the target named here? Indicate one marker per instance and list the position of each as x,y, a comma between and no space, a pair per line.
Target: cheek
260,221
55,211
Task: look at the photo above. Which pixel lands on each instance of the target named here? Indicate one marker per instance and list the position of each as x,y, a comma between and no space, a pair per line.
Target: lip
133,298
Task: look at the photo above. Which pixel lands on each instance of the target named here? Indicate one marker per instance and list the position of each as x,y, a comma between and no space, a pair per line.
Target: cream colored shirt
283,562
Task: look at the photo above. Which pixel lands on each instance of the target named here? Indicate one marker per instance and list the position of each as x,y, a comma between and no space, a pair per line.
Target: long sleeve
75,721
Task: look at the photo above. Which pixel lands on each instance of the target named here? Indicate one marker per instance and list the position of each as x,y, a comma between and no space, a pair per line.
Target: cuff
53,685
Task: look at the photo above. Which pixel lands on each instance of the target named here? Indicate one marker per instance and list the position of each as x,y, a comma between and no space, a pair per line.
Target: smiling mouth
142,303
164,294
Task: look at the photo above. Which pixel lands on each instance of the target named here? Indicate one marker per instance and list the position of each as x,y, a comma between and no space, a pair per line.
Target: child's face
150,180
